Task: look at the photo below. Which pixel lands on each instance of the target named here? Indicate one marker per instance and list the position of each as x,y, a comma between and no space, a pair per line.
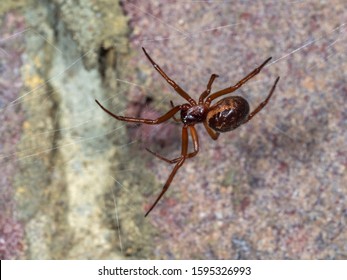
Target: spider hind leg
179,161
174,171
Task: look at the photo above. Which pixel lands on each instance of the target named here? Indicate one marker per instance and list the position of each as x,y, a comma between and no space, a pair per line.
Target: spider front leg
159,120
174,171
172,83
190,155
208,88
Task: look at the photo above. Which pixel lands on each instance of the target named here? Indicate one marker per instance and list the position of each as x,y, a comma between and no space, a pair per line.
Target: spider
225,115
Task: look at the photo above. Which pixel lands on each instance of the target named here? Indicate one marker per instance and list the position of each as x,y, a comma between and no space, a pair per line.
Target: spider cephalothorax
226,115
191,115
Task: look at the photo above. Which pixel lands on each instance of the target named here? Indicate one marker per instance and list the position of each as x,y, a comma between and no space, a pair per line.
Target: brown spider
227,114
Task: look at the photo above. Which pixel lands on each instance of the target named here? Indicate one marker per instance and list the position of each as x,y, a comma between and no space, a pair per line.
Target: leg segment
195,139
161,119
174,171
262,104
173,106
214,135
238,85
208,89
172,83
163,158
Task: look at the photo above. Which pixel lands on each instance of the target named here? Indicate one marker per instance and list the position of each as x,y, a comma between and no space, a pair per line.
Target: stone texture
76,183
276,187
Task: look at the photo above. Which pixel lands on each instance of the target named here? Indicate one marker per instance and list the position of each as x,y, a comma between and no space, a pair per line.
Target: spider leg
162,158
173,106
172,83
262,104
195,140
174,171
190,155
208,89
238,85
161,119
214,135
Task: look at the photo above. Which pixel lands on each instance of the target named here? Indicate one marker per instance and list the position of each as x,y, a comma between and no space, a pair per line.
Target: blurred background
76,183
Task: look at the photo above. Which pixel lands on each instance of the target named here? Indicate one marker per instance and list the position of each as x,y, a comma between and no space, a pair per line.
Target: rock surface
75,183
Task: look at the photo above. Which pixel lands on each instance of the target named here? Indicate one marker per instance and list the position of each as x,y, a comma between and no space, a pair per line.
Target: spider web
273,188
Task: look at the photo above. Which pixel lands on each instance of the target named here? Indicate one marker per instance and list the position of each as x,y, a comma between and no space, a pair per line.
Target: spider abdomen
227,114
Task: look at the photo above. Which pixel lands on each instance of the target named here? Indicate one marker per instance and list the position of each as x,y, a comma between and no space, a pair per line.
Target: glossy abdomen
228,113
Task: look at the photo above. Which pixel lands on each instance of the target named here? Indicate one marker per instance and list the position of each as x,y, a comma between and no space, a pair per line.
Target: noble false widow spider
225,115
